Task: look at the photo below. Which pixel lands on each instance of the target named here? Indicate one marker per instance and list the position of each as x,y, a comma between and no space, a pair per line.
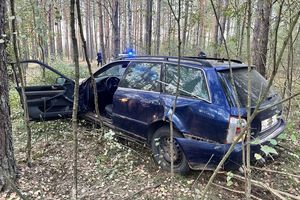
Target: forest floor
110,170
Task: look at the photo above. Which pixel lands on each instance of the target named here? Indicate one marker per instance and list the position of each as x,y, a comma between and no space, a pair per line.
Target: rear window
240,78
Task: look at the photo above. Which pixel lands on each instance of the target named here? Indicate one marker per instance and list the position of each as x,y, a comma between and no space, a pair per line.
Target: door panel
136,102
46,99
134,110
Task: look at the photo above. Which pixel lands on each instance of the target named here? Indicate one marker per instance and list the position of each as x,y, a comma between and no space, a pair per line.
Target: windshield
240,78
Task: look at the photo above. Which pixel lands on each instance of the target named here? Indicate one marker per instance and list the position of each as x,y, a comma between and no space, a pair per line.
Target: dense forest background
150,28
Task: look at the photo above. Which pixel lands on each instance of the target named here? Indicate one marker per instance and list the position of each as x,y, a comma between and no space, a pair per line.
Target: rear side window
240,78
192,82
143,76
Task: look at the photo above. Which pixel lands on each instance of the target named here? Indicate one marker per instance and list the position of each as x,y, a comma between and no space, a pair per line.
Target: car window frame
209,100
141,61
110,65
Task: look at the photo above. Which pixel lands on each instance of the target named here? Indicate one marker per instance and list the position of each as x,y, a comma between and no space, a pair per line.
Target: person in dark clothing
99,58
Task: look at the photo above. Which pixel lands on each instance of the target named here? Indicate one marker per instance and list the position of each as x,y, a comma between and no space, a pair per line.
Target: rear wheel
160,145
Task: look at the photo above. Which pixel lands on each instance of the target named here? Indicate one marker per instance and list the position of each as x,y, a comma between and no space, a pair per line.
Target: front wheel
160,145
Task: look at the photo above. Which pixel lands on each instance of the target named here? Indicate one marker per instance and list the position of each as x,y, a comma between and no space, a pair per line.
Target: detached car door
49,93
136,102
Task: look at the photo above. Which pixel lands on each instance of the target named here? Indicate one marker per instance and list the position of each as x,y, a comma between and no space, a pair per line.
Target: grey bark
7,159
261,35
141,28
87,28
129,18
90,32
158,10
216,30
67,43
101,33
184,32
51,31
148,26
116,28
76,94
202,24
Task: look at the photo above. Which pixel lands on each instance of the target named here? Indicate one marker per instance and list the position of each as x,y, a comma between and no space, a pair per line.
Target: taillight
234,128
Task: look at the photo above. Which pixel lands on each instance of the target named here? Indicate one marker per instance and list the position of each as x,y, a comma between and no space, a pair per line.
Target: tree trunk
123,27
141,49
67,43
76,95
158,10
87,29
59,39
216,30
148,26
169,32
94,33
7,159
241,43
223,20
107,35
202,24
90,32
184,32
96,102
261,35
51,32
116,28
129,18
101,33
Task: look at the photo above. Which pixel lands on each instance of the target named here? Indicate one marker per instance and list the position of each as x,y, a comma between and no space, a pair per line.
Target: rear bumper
200,154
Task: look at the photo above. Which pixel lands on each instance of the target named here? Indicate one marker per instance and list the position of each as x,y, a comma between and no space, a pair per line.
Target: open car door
49,93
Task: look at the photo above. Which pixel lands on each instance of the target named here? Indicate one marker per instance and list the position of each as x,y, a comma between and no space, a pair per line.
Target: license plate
268,123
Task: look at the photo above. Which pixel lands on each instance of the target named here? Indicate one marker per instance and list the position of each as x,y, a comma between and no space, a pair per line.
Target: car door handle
123,100
154,102
54,87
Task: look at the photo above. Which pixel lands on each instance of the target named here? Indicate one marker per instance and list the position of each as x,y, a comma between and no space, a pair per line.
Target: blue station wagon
136,97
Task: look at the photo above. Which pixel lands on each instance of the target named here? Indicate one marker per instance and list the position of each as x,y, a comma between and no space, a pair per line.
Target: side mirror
60,81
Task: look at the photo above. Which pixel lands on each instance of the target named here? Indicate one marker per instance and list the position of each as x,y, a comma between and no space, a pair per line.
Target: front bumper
201,154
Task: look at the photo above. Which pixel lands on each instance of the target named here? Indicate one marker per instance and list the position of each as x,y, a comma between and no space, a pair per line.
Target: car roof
201,62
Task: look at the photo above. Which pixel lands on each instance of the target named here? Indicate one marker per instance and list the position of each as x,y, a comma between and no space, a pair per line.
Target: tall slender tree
67,32
261,35
116,28
158,16
148,26
7,159
185,24
76,95
130,31
101,31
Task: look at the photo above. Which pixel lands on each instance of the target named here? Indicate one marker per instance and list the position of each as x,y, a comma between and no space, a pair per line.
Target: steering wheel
111,84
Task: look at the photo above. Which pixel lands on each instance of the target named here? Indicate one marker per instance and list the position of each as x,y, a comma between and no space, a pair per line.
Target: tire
160,143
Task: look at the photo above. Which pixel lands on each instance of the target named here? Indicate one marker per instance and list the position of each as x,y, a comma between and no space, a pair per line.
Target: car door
136,102
49,93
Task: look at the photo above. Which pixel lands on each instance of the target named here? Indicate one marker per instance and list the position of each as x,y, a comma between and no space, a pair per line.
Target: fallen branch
235,191
202,171
277,172
275,192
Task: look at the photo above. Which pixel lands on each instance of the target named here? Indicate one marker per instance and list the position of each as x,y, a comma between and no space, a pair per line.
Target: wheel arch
158,124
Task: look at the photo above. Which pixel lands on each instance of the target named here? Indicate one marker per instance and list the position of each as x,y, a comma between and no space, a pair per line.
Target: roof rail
168,58
217,59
